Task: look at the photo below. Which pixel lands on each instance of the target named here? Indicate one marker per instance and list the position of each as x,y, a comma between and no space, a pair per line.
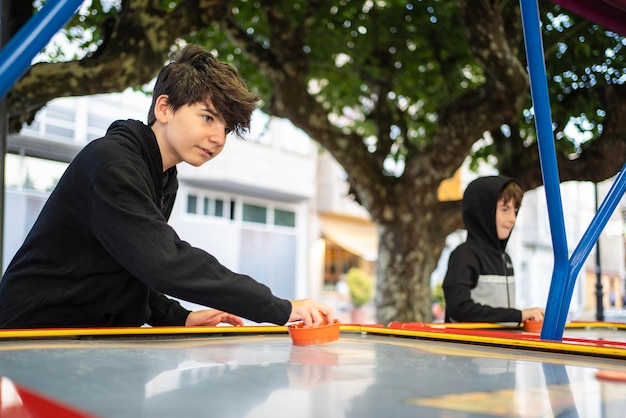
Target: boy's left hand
210,318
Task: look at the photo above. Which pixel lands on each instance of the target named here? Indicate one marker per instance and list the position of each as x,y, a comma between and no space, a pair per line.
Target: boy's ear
161,108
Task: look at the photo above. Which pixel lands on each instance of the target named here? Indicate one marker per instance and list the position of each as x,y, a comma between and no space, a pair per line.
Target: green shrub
361,286
437,295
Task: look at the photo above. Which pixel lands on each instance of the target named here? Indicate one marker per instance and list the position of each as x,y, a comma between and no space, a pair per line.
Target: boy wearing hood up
479,285
101,252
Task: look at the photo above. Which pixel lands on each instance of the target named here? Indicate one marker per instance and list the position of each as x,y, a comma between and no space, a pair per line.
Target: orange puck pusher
313,335
530,325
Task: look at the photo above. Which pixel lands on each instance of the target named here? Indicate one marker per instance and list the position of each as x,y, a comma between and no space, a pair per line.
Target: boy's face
506,214
195,133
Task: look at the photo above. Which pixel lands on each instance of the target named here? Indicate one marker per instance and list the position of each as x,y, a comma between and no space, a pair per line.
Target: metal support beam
15,58
5,15
565,270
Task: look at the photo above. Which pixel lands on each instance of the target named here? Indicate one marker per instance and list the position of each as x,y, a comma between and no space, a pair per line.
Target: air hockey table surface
401,370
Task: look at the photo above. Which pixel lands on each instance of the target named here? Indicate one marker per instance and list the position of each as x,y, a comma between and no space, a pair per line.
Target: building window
219,208
337,262
232,210
192,203
254,213
284,218
206,206
60,132
60,114
97,123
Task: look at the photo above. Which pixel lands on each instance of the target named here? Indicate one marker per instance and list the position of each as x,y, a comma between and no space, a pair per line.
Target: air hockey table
399,370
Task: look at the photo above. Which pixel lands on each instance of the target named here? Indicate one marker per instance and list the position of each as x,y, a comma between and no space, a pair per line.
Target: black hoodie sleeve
461,278
165,311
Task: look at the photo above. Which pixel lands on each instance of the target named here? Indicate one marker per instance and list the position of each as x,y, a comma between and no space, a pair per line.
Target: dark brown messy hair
512,191
193,76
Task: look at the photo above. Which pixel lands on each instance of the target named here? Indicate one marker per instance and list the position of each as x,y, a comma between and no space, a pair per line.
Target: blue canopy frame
565,268
17,55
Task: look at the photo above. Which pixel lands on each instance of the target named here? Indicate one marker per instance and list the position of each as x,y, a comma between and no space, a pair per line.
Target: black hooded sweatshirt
479,285
101,252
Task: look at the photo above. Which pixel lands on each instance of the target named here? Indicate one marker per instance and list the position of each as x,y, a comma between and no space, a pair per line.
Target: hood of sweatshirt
140,135
479,210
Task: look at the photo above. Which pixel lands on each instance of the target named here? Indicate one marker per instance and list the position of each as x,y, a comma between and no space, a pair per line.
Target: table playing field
416,370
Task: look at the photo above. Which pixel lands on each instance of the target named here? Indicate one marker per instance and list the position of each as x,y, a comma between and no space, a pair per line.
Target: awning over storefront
355,235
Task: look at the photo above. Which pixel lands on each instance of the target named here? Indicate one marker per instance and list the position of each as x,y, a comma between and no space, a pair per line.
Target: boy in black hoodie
101,252
479,285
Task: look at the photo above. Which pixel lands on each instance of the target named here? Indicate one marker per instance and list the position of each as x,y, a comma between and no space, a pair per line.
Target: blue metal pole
547,158
590,237
599,221
17,55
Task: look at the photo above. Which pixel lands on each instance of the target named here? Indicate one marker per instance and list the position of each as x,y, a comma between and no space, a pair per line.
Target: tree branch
135,50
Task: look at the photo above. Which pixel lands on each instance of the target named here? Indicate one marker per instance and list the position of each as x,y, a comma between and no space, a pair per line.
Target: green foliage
84,32
361,286
580,58
401,59
438,296
404,59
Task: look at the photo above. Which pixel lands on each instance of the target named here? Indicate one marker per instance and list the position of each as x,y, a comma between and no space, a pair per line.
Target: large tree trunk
406,259
408,253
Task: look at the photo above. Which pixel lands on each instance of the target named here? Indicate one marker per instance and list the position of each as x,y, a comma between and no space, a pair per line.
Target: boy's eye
208,118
